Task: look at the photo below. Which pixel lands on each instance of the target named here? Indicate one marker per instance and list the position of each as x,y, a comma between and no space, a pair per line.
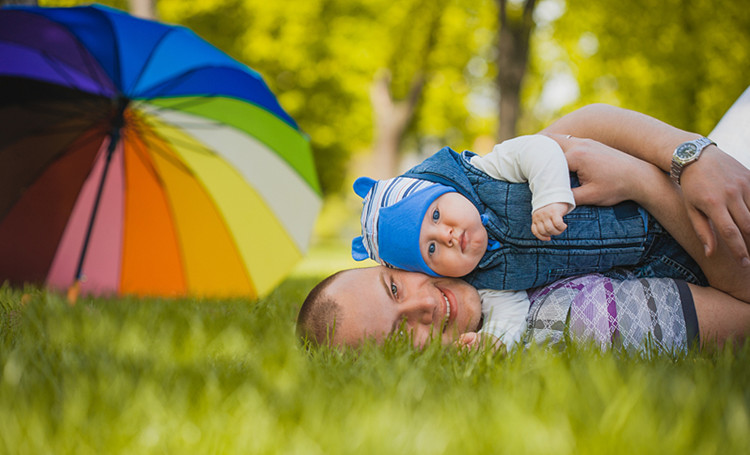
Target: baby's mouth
463,241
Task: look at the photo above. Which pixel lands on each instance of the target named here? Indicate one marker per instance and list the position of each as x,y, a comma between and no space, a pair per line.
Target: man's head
353,305
319,313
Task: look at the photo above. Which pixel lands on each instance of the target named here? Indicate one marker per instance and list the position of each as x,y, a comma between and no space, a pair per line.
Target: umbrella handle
114,137
73,292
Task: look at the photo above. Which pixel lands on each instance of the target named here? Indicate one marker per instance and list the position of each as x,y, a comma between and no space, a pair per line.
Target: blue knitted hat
392,215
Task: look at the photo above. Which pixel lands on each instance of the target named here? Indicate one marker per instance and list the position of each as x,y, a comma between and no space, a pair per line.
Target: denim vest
597,239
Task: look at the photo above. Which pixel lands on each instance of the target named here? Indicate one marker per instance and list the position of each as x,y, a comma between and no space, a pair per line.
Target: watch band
679,164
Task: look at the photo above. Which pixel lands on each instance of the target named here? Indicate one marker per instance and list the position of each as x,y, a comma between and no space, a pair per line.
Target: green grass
227,376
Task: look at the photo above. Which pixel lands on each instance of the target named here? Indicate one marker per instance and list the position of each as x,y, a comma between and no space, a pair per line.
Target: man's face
452,239
376,302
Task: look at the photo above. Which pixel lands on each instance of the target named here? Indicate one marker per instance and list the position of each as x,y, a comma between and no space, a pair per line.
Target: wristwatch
686,153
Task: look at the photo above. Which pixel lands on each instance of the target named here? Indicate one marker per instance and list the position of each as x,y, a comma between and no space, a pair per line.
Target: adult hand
716,190
607,176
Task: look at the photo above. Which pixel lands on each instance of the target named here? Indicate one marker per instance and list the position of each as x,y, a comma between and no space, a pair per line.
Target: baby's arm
538,160
504,314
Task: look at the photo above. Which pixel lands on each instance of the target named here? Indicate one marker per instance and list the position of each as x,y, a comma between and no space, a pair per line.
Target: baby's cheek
473,258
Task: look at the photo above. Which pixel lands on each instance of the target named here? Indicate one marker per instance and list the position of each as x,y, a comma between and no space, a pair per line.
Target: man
356,305
607,177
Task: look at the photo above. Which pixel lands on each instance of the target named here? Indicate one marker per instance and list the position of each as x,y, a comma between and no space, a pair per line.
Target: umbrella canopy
140,159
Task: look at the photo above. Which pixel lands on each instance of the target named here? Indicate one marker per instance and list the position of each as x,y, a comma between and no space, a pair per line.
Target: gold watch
687,153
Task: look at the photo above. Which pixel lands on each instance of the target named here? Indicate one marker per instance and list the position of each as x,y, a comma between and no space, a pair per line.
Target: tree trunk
512,60
393,117
143,8
391,120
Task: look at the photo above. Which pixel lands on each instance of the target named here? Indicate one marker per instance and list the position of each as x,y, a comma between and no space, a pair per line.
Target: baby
491,220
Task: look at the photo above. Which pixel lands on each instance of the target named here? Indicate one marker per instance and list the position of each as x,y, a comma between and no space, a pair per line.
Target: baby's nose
446,234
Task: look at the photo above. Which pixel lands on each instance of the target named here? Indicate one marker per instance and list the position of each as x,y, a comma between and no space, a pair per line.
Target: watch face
685,152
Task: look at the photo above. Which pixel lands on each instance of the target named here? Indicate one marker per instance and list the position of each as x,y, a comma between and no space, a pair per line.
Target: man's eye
435,215
431,249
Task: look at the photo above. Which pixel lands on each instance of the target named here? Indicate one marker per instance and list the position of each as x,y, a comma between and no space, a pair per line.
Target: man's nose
418,309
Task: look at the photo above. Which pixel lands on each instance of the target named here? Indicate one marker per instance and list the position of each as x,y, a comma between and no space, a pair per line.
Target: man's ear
359,253
363,185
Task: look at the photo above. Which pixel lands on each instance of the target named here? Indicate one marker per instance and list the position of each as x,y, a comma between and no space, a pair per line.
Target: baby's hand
474,340
548,220
468,340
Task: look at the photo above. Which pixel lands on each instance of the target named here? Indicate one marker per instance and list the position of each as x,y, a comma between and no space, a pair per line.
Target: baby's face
452,239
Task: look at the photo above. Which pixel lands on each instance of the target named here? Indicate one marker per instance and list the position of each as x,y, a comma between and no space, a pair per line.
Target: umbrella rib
192,101
147,61
174,81
59,68
116,60
146,134
206,124
61,109
89,137
50,131
150,132
91,66
186,144
90,117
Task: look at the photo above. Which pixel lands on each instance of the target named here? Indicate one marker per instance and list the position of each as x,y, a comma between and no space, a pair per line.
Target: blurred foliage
683,61
321,56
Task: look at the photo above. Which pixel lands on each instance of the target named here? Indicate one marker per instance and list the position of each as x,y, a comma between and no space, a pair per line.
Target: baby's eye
435,215
431,249
394,289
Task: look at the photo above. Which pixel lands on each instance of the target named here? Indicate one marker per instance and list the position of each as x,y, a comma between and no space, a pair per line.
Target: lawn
227,376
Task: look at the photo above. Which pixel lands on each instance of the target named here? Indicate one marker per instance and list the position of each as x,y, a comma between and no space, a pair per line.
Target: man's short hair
317,317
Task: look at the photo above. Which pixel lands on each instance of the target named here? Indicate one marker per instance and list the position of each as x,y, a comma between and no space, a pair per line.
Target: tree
681,61
143,8
513,44
321,58
392,115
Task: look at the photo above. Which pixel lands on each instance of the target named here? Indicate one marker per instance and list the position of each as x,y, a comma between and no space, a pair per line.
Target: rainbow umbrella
136,158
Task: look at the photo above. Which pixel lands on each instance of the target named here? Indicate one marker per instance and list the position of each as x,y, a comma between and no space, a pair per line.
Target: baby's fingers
539,231
558,225
468,340
545,228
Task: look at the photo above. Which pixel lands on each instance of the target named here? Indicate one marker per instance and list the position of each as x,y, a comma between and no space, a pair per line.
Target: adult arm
721,317
609,176
716,188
